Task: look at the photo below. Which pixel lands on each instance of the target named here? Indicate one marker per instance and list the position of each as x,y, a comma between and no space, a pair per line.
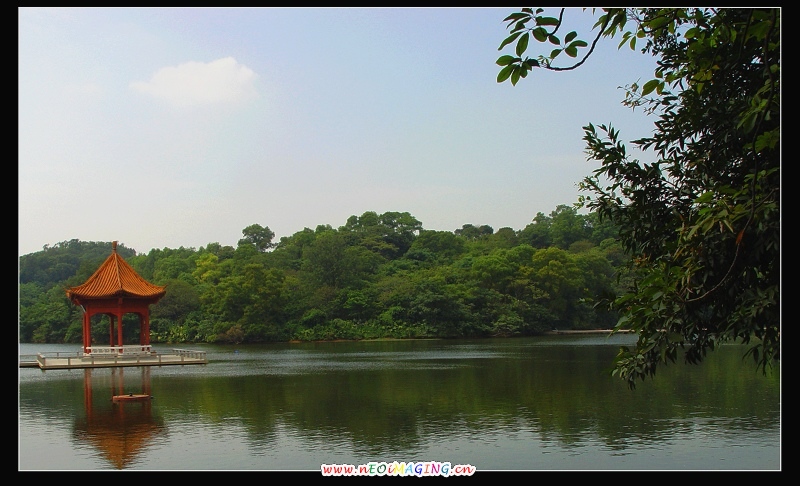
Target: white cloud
197,83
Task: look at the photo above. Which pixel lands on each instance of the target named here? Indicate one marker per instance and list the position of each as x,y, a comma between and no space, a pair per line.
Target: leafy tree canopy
258,236
702,222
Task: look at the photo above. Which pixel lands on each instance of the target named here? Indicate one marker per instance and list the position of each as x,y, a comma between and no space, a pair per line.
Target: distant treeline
378,276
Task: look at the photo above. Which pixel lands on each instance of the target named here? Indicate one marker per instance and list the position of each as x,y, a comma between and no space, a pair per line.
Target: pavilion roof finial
114,246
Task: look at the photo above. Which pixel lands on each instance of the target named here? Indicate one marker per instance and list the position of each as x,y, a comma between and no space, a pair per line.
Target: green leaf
531,63
546,21
506,60
522,45
516,16
748,122
650,86
554,53
539,34
554,40
504,73
508,40
570,36
571,51
657,22
767,140
519,27
706,197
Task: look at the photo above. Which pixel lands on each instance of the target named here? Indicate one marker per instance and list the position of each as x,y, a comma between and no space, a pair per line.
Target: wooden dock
66,361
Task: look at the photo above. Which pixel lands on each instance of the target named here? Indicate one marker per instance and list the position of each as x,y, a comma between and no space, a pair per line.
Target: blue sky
170,127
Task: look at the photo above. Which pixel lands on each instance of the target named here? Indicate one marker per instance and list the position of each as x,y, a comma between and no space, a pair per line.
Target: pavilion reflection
120,431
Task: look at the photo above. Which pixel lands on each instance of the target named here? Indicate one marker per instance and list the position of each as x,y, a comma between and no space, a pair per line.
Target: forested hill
377,276
63,261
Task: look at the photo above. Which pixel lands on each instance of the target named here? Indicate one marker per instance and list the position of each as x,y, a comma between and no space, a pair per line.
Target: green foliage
537,233
180,300
443,244
258,236
568,227
45,316
702,222
389,234
332,261
377,276
61,261
472,232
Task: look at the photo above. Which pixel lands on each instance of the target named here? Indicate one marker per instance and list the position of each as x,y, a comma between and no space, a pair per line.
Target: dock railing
189,353
71,357
125,350
81,360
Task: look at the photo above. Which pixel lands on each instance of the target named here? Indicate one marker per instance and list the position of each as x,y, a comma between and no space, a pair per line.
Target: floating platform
66,361
131,397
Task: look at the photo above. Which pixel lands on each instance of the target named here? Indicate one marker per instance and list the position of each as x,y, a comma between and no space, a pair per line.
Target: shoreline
588,331
553,332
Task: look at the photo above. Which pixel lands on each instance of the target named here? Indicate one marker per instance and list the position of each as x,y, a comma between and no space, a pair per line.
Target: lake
533,404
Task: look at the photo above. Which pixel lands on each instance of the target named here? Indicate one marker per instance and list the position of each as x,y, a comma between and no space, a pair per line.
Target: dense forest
377,276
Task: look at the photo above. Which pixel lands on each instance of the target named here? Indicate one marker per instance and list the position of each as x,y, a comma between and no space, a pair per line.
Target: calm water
541,403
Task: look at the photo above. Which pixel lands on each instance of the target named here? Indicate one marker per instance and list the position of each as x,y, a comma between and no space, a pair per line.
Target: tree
174,264
441,244
702,222
537,233
505,237
567,227
180,300
258,236
400,229
331,261
472,232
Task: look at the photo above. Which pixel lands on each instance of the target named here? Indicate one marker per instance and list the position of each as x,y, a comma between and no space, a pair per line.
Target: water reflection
118,430
496,404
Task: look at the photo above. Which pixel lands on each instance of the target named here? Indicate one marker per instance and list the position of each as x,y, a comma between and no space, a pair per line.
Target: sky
179,127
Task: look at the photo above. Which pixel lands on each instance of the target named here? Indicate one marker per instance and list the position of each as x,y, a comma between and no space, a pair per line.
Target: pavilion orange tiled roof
115,278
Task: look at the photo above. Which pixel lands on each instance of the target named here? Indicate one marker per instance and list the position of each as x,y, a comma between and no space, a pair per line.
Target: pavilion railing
125,350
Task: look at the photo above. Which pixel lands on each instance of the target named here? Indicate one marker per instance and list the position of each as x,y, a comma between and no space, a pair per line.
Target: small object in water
130,398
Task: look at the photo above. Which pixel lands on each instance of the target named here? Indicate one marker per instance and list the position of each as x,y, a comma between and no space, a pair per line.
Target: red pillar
119,329
144,337
87,332
110,329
